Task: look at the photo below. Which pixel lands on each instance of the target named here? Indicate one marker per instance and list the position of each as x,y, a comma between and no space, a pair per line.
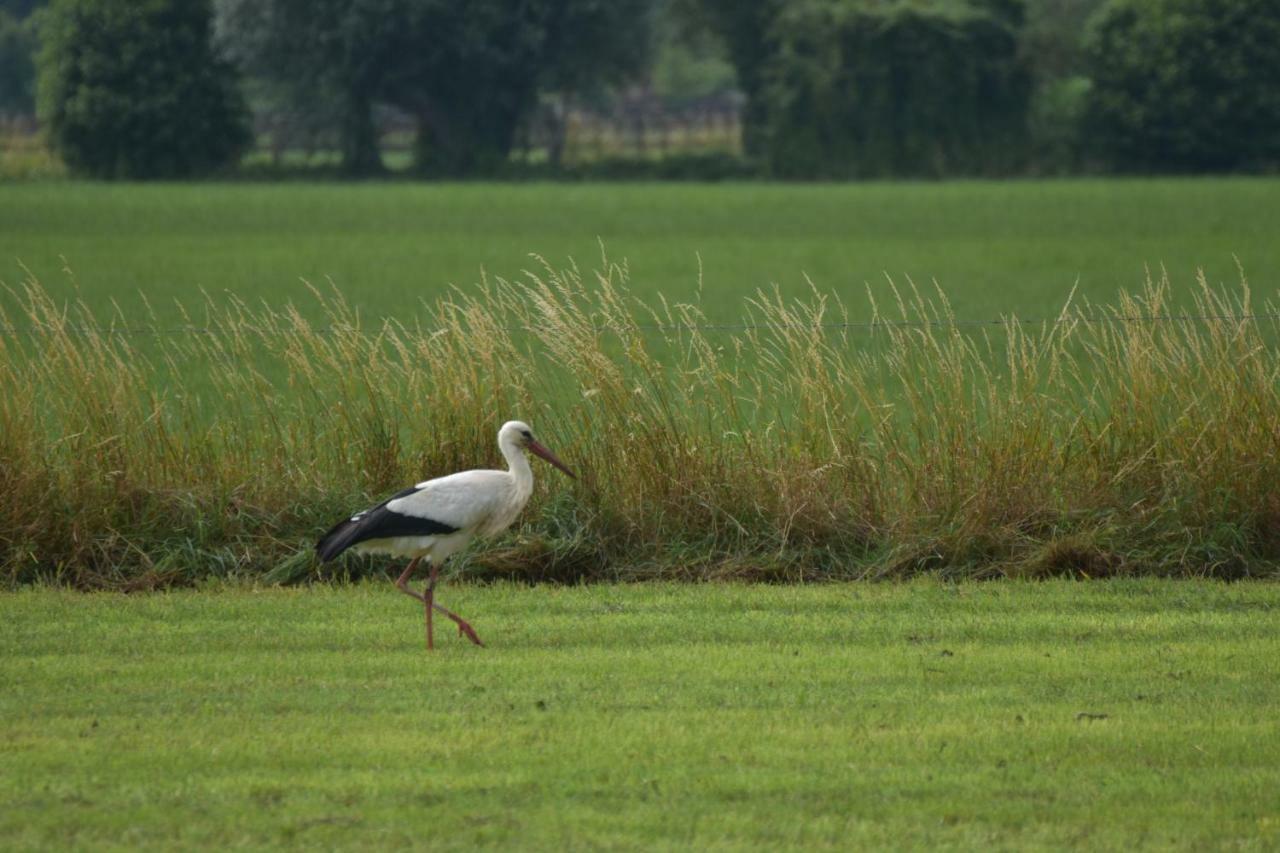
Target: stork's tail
340,538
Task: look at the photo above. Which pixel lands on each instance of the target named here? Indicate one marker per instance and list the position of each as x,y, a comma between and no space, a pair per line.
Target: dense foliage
863,90
856,87
830,88
17,66
1186,85
132,89
21,8
1052,40
469,71
747,32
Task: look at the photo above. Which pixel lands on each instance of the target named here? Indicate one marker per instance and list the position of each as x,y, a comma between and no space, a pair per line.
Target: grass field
995,248
1101,716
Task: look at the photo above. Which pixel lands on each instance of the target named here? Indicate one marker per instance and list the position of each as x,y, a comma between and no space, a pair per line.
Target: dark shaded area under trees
829,88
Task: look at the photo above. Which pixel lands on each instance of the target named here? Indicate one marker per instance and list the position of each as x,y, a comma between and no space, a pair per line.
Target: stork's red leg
464,629
402,583
429,599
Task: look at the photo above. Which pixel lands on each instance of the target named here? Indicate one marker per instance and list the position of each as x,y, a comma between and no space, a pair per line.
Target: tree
1052,43
861,89
1185,85
471,75
593,45
689,63
17,65
866,86
132,89
327,56
469,71
1053,38
749,32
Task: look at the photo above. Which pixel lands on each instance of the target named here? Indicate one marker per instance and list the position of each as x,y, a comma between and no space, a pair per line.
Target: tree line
833,88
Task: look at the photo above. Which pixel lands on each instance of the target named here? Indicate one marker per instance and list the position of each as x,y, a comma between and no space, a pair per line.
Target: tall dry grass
807,444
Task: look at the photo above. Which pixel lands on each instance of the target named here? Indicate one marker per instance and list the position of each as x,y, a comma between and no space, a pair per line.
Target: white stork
439,517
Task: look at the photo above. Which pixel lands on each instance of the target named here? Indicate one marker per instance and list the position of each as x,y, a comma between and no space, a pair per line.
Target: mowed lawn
1094,715
1009,247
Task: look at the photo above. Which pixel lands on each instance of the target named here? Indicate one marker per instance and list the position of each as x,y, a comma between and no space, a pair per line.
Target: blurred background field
995,248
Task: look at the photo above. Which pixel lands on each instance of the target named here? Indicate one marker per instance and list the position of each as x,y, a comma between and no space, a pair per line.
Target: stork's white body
478,503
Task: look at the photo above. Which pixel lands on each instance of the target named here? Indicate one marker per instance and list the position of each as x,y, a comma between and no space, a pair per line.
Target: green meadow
994,248
1003,716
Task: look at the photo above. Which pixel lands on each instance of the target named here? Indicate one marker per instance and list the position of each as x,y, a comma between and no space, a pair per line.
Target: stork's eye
528,435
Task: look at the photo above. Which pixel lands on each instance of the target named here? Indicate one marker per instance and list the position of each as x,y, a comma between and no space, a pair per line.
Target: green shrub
861,90
1185,85
132,89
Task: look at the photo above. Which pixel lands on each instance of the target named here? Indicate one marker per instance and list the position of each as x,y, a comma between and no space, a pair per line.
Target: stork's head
517,434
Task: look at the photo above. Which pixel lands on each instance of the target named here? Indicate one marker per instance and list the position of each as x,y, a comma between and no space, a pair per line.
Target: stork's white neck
518,468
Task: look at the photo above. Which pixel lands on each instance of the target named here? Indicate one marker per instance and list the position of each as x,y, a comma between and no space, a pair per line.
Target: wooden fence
637,125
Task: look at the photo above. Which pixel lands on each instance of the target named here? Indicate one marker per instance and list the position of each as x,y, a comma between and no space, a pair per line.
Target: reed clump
808,443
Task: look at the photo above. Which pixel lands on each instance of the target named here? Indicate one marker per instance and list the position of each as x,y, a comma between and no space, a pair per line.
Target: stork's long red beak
550,457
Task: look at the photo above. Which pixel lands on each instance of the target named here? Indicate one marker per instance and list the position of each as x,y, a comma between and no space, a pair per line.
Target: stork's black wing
378,523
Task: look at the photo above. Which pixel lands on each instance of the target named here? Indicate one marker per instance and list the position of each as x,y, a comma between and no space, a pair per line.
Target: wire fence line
869,325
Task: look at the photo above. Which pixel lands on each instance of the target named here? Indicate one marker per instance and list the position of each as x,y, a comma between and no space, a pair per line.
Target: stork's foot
465,630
